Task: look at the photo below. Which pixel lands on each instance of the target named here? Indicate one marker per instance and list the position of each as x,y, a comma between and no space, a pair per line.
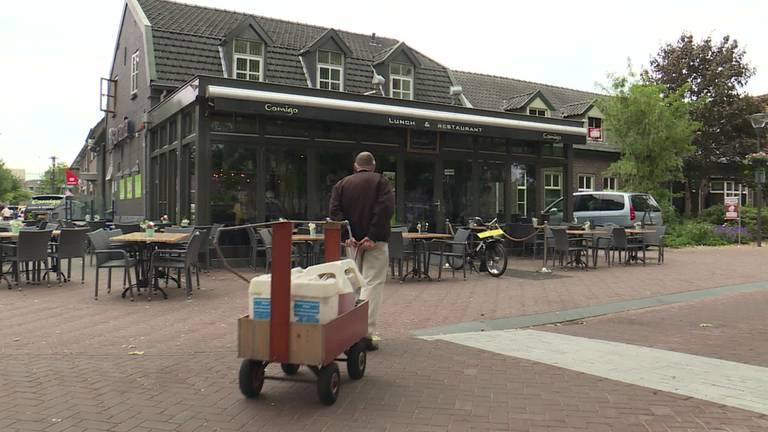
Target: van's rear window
598,202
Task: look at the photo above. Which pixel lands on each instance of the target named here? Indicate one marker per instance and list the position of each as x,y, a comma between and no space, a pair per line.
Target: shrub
694,233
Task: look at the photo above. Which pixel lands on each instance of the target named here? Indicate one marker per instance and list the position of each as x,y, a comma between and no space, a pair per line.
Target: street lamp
759,122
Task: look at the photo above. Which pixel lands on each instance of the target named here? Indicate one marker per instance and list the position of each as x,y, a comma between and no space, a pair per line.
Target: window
552,182
537,112
610,184
401,81
330,66
135,73
586,182
729,189
522,193
598,202
248,57
595,128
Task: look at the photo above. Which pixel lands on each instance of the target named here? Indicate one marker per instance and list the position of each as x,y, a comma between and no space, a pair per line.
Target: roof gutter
213,91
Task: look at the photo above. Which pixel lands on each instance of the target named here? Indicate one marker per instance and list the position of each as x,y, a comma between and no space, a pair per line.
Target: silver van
600,208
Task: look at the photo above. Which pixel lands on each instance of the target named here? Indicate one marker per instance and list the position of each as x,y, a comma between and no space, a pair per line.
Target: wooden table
418,271
13,236
147,243
307,237
426,236
142,237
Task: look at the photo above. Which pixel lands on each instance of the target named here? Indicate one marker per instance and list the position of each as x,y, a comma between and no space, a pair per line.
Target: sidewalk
66,364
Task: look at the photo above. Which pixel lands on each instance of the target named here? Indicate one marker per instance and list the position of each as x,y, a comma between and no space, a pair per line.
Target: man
367,201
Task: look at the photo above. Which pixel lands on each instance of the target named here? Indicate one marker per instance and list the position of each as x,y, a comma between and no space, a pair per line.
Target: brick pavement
65,363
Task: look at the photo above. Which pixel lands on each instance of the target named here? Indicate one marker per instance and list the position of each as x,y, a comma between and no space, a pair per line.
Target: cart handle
260,225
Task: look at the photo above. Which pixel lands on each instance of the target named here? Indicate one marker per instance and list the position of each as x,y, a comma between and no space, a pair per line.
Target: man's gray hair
365,160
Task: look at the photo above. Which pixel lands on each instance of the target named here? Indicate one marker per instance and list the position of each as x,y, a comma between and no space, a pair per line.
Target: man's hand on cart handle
366,244
351,243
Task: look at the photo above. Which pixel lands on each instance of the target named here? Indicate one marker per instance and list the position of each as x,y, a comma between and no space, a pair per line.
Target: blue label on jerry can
261,308
306,311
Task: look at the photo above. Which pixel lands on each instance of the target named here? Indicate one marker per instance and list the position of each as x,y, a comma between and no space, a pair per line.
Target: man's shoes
372,343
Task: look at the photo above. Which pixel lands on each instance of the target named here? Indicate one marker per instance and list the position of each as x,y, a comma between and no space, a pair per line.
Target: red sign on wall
72,179
595,134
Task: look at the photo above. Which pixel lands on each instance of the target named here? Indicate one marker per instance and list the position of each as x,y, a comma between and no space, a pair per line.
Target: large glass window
248,57
492,190
419,192
330,70
233,183
331,167
552,187
401,81
286,184
457,184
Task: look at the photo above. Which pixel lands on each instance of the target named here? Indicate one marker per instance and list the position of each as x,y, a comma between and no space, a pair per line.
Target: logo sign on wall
72,179
731,208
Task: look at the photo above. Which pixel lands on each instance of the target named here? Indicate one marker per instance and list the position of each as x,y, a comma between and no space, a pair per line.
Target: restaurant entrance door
420,202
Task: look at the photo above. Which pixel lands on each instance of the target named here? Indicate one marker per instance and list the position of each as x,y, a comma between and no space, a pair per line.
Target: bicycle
486,246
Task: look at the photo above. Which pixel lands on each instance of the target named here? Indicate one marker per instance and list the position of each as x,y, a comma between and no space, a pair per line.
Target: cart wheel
289,368
328,383
356,360
251,377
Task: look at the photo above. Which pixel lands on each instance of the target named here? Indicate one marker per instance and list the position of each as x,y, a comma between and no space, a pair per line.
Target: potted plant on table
185,223
16,225
148,227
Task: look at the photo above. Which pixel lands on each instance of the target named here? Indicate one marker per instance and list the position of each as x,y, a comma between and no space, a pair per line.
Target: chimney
373,39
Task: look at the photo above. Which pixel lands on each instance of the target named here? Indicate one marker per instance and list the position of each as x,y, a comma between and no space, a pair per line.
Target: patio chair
185,260
574,249
454,252
398,253
266,238
656,239
31,247
72,243
600,242
620,243
109,257
207,248
179,230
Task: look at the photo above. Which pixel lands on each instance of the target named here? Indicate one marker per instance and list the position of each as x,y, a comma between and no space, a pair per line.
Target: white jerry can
259,294
324,291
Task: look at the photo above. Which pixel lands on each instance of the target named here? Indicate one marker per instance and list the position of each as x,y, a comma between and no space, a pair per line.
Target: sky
53,52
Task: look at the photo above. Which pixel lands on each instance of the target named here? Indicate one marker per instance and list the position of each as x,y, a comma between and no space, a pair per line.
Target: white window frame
583,186
522,186
730,190
590,127
248,58
330,67
402,79
538,110
135,73
610,183
549,184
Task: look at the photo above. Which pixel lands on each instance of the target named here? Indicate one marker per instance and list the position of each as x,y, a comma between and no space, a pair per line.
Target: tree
711,74
654,130
11,189
59,178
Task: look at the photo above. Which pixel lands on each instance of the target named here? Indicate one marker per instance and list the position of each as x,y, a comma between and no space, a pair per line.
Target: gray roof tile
576,108
187,38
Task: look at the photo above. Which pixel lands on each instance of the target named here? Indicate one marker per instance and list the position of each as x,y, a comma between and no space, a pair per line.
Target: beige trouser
373,263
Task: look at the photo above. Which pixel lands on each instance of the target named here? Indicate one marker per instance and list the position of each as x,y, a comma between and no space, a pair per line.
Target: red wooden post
332,239
279,329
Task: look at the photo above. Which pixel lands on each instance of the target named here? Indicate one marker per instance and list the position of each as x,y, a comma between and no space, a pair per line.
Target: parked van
600,208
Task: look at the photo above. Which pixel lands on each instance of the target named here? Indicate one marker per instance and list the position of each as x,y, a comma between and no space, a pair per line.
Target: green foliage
693,233
60,178
653,128
711,74
11,188
715,215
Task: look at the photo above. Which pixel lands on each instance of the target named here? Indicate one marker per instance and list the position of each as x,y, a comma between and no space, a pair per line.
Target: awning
390,110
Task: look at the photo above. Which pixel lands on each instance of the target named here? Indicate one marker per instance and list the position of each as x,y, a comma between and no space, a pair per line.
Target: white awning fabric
375,108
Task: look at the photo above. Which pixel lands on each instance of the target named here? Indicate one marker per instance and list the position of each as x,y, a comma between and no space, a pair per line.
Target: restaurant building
225,117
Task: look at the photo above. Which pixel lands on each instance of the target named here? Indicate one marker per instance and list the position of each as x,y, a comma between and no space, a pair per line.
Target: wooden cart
292,344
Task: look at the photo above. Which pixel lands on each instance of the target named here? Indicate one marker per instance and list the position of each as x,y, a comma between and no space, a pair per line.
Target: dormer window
595,128
330,68
539,112
248,56
401,81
